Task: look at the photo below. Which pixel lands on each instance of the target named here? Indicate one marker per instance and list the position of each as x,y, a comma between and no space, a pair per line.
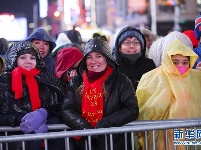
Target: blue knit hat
197,29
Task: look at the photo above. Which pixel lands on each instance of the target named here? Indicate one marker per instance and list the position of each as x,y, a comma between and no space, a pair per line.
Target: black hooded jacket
142,65
50,92
120,103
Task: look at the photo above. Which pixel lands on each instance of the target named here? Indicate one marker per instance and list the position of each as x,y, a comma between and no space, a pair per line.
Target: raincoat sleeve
154,96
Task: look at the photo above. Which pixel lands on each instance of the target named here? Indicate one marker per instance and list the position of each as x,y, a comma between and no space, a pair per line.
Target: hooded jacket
120,104
50,89
142,65
65,59
164,93
41,34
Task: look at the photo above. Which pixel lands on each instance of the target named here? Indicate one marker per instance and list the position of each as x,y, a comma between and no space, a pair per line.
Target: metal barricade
131,128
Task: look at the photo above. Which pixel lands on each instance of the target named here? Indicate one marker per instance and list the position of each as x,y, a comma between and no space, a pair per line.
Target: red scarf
32,85
92,100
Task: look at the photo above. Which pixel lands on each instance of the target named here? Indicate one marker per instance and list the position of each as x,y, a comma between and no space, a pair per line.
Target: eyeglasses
71,69
128,43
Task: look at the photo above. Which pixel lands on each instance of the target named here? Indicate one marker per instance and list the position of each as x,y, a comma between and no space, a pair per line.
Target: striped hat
197,29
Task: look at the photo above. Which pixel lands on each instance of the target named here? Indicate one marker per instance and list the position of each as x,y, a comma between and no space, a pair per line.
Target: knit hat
131,32
192,37
61,41
74,36
197,29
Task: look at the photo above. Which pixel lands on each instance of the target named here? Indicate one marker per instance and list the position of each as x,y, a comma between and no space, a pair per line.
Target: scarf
92,76
92,100
31,83
131,57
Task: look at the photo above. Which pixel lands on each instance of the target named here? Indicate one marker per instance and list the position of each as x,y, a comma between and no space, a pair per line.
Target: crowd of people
143,77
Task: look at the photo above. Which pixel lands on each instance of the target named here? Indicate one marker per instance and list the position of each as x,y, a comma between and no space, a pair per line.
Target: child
170,91
31,95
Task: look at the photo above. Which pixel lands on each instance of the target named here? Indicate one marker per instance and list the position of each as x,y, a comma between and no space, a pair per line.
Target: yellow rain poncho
164,93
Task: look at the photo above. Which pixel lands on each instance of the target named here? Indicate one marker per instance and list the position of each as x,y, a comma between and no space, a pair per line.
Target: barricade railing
132,128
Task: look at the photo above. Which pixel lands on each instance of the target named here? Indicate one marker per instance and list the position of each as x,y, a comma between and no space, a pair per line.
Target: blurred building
87,15
179,14
58,15
170,14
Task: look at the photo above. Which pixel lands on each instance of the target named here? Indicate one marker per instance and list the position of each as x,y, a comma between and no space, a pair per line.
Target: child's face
43,47
180,60
26,61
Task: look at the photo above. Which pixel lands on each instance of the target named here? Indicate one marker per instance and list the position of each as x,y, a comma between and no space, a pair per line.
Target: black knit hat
74,36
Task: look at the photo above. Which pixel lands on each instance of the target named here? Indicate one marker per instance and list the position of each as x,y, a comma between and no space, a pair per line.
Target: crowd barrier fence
133,127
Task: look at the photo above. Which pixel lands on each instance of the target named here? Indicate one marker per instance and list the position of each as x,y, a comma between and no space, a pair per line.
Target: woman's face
130,45
96,62
26,61
180,60
43,47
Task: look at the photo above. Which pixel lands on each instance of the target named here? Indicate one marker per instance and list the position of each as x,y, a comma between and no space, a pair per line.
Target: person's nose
28,60
41,45
93,60
132,44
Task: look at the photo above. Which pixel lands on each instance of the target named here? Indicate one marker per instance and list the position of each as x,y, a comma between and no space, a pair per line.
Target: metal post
153,16
176,18
35,16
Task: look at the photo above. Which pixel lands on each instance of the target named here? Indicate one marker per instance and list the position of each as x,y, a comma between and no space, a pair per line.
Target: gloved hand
102,124
33,120
42,129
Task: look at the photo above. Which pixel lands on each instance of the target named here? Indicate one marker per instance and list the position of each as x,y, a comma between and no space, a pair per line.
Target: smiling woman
99,89
26,61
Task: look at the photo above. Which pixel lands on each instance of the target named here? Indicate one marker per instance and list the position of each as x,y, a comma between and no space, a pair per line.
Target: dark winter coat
12,110
120,104
142,65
